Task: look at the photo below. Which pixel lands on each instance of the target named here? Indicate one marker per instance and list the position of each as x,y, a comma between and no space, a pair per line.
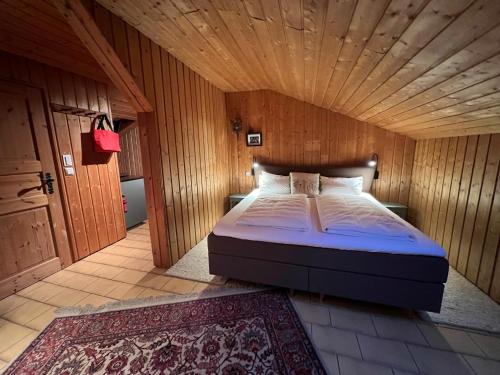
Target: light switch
70,171
67,160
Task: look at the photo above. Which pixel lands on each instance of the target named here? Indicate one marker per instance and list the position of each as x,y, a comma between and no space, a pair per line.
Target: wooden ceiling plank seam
205,63
33,51
403,50
293,28
365,19
314,31
259,26
85,27
486,129
482,72
472,92
181,27
276,31
336,28
199,22
393,24
25,16
266,59
491,122
17,28
455,119
471,55
237,55
454,109
444,45
237,18
426,27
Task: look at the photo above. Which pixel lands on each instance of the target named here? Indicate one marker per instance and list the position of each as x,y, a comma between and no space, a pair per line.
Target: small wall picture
254,139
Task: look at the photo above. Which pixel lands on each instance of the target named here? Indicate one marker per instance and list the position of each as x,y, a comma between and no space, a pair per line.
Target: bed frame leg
291,292
321,297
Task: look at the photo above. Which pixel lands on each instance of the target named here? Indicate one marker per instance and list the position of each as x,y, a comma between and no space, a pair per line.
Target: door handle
48,181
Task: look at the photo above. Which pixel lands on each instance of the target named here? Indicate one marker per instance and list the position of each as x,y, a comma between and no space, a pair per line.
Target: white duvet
336,217
280,211
228,227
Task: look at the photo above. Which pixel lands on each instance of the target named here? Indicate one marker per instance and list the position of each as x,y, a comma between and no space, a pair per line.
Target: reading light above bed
373,162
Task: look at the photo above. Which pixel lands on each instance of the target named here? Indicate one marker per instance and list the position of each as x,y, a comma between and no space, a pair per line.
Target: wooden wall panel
129,159
295,132
92,197
186,138
454,198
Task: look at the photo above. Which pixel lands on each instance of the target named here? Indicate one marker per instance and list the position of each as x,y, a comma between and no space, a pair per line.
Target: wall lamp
255,165
373,162
236,125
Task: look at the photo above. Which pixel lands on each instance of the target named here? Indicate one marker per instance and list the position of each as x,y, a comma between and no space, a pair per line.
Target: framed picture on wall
254,139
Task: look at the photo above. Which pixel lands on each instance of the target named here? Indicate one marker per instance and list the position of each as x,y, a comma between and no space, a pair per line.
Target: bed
388,272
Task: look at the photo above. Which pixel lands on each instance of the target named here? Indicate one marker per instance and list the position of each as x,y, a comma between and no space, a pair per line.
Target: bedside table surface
237,196
394,204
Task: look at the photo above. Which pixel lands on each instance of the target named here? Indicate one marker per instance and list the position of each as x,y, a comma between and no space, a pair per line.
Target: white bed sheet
315,237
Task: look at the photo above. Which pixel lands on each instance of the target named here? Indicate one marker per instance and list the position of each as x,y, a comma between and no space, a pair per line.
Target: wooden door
32,227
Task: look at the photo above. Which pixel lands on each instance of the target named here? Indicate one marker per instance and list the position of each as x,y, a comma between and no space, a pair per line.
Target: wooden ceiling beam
91,36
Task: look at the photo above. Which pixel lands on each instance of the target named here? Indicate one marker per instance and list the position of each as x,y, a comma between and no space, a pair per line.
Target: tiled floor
351,338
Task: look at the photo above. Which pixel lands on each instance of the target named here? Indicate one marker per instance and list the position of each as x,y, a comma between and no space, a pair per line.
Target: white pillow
346,185
305,183
274,184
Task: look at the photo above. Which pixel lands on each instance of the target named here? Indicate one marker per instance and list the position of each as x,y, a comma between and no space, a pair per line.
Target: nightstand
399,209
234,199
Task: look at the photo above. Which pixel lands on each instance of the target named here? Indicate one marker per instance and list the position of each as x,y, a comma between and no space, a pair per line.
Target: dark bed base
409,281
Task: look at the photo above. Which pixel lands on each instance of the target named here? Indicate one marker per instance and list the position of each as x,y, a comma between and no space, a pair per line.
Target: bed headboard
329,171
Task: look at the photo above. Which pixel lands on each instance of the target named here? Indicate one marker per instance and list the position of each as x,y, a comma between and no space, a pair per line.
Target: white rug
194,266
465,305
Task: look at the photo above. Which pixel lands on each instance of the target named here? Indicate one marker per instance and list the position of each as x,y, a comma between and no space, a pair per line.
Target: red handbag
105,140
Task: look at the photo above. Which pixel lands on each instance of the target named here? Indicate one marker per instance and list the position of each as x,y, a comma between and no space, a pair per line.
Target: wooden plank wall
455,199
92,197
130,160
186,137
295,132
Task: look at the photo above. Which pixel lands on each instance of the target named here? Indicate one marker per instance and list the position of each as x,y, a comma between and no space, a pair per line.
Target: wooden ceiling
35,29
425,68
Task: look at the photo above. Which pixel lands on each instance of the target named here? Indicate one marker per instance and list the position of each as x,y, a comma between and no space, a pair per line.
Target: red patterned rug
256,333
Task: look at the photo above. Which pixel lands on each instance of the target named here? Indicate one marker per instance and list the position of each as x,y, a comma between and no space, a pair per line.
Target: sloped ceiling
35,29
425,68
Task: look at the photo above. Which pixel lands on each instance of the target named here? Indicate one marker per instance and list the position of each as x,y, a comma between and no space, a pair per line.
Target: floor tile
125,291
395,328
313,313
106,271
335,341
437,362
109,259
449,339
130,276
41,321
102,286
11,333
148,292
84,267
137,264
26,312
44,292
179,286
14,350
10,303
3,365
135,244
94,300
200,287
330,361
483,366
488,344
352,320
350,366
151,280
388,352
67,297
73,280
